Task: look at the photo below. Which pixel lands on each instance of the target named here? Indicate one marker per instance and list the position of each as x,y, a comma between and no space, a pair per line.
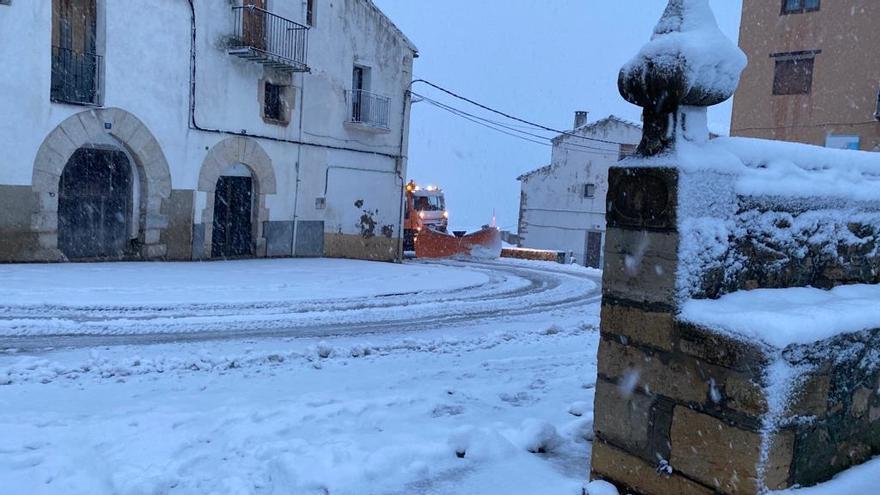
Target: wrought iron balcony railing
269,39
368,109
76,77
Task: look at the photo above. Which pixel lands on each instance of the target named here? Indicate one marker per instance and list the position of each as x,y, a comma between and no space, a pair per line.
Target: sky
537,59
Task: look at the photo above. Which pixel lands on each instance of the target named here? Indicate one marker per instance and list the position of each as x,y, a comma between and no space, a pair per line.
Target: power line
512,117
492,124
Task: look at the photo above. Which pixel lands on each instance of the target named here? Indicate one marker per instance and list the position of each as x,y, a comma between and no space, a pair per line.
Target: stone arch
93,127
228,153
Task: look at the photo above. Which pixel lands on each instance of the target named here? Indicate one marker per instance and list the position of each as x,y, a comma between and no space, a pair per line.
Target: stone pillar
678,410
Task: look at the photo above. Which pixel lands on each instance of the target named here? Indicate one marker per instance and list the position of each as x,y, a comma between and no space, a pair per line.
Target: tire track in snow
512,290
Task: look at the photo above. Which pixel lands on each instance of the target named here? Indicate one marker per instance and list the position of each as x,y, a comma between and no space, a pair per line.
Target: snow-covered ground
491,392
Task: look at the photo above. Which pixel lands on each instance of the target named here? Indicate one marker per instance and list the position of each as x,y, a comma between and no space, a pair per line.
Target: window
589,190
276,103
310,12
799,6
794,75
626,151
76,65
5,2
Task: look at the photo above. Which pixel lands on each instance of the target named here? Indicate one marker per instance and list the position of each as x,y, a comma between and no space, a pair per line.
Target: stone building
562,205
199,129
811,78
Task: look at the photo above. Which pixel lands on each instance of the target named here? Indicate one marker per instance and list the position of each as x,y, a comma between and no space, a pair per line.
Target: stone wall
686,410
17,205
775,243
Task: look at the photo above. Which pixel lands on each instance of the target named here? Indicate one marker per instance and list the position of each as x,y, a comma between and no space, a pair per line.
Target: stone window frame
287,99
802,7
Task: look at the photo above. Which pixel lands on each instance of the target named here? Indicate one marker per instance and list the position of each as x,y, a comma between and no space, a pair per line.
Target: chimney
580,118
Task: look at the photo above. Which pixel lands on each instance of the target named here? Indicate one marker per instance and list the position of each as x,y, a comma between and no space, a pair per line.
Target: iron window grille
76,76
368,108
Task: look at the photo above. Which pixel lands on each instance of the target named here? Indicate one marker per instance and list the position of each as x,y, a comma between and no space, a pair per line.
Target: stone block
152,236
125,126
681,380
745,395
633,474
812,398
725,457
154,251
623,418
640,278
178,236
713,347
654,329
93,125
75,131
643,198
61,144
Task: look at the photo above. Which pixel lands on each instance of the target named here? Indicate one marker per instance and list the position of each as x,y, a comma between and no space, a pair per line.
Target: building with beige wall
813,74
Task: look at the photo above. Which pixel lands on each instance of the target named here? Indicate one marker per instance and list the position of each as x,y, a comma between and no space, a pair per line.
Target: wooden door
254,23
233,209
94,205
593,250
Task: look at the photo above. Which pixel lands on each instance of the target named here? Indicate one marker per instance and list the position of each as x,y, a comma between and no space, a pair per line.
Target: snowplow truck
425,207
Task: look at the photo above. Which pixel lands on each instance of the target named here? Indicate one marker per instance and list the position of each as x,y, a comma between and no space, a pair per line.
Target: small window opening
793,76
273,105
589,190
799,6
310,12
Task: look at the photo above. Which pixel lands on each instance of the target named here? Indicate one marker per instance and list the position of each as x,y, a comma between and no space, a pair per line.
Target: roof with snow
527,175
393,26
586,128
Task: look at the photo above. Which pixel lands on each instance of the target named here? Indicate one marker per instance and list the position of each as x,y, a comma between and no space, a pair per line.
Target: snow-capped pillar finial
687,66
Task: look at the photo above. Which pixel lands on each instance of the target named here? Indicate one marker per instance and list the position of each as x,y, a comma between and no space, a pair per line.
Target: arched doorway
150,179
236,177
94,204
233,214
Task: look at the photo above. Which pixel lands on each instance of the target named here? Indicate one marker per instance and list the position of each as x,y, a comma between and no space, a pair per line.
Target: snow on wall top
782,317
688,37
773,168
762,167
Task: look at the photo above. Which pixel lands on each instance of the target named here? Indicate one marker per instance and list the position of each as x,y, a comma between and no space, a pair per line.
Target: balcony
269,39
76,77
368,110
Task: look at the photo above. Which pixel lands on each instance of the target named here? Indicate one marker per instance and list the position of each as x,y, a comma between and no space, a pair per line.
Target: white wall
147,60
555,214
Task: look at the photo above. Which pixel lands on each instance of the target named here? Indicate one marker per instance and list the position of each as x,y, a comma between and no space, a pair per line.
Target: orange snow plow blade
485,243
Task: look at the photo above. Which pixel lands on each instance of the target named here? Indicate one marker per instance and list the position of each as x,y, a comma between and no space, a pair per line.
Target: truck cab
425,208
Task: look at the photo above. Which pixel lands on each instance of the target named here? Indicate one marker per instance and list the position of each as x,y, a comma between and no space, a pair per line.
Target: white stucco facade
187,111
563,204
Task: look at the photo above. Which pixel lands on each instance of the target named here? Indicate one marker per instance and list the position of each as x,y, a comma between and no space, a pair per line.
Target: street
299,396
